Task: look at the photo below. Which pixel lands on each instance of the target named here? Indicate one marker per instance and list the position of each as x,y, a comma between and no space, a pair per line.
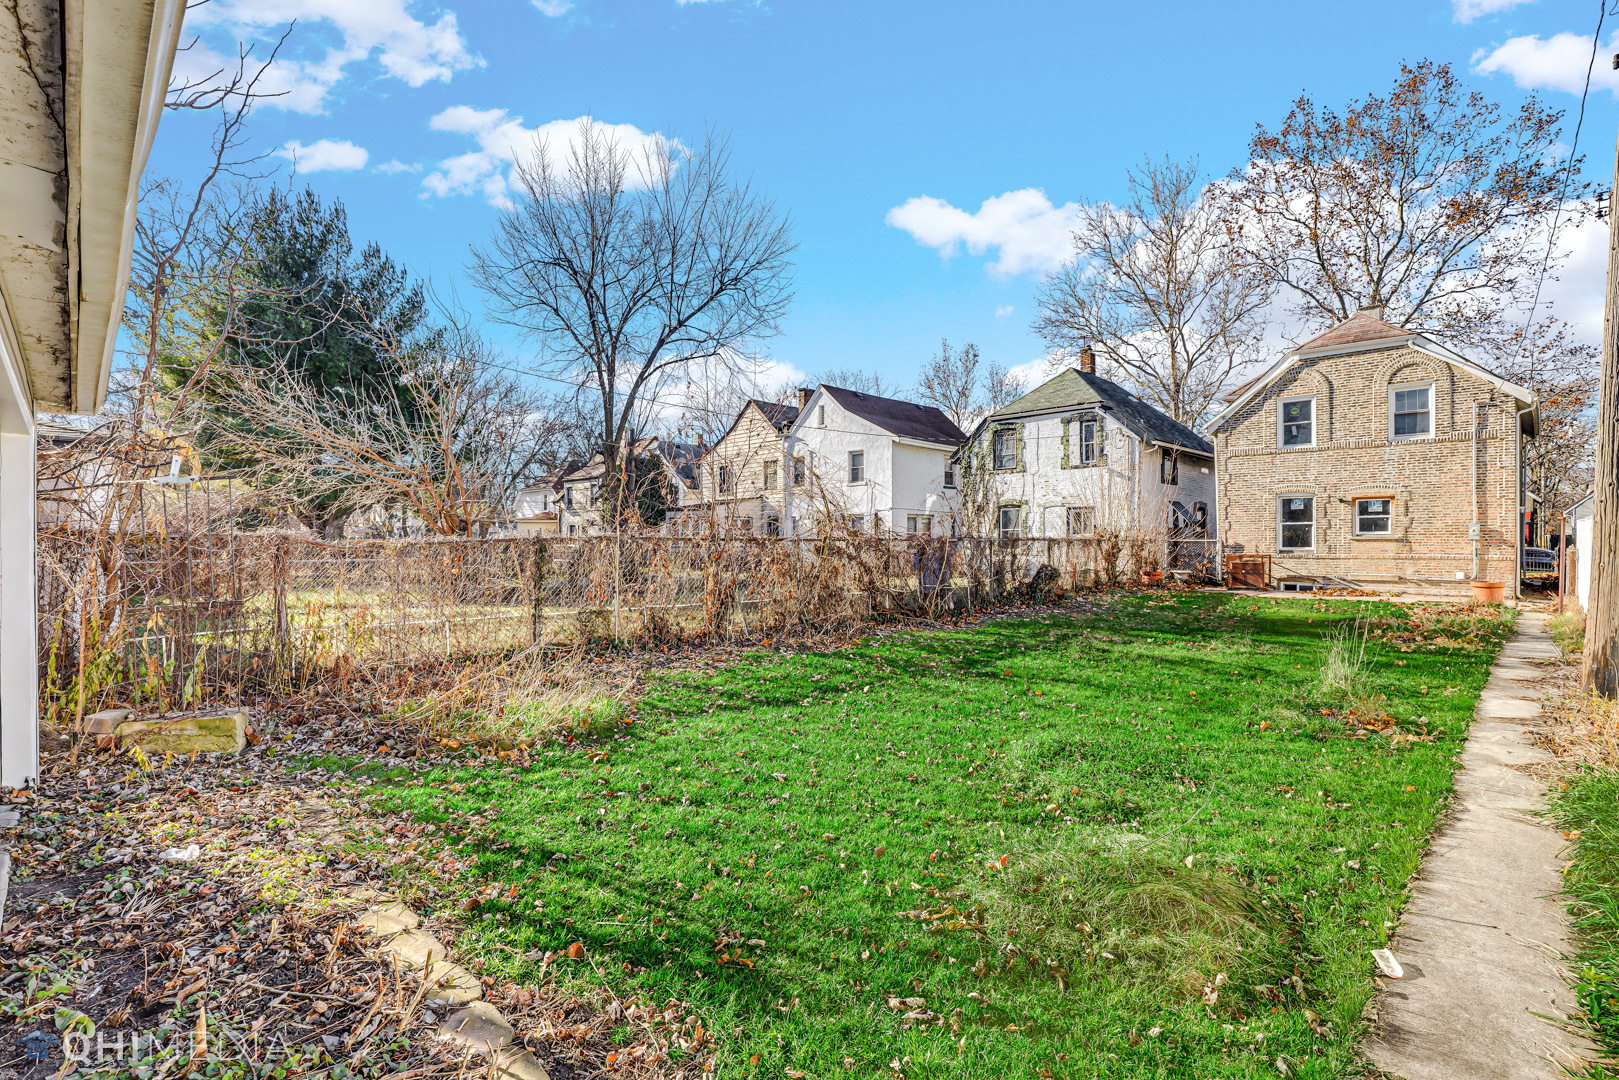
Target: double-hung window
1169,467
1296,522
1411,411
1005,448
725,479
770,475
857,466
1296,422
949,477
1010,519
1373,517
1089,428
799,471
1082,521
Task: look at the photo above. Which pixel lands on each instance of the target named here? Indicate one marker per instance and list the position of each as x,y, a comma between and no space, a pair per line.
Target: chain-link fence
229,613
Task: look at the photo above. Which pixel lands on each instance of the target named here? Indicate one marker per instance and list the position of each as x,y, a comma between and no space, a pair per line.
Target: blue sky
999,115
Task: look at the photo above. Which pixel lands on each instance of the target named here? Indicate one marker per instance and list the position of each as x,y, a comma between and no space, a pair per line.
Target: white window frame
772,468
1314,521
857,472
1281,421
1075,510
1428,386
919,524
1354,508
1000,522
1093,444
950,478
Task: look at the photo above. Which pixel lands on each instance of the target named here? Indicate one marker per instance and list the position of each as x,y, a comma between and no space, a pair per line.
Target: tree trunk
1601,667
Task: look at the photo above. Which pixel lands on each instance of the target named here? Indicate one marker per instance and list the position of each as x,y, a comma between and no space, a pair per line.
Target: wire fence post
281,627
537,583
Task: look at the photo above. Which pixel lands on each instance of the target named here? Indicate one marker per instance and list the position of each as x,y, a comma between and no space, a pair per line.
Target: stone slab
225,733
448,983
1486,995
386,920
513,1064
478,1027
415,949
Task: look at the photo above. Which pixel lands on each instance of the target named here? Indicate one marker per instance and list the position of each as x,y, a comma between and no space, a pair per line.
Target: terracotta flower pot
1152,577
1488,592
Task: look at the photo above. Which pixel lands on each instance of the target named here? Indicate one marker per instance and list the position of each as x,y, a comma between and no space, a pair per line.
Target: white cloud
502,139
1003,311
396,166
1576,294
1030,233
1557,63
325,155
554,8
408,49
1465,11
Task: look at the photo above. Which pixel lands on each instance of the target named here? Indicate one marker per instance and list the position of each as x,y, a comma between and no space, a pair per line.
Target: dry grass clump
535,694
1121,908
1568,630
1581,728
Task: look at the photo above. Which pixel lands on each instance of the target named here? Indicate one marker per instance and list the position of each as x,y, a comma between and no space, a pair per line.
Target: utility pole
1600,671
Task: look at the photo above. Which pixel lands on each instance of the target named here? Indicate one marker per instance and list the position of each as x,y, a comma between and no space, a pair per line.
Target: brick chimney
804,394
1087,360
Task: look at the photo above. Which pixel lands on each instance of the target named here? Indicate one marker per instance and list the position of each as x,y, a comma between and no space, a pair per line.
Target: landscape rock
221,733
105,722
415,949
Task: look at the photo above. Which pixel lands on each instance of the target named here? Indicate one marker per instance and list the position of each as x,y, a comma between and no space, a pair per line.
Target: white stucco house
877,464
81,88
1080,455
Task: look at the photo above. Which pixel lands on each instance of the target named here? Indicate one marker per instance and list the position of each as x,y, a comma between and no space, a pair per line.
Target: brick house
1376,456
1081,456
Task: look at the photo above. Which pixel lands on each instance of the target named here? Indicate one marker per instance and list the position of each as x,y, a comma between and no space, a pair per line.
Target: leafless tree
865,382
628,267
1563,374
1430,202
447,444
1153,288
955,382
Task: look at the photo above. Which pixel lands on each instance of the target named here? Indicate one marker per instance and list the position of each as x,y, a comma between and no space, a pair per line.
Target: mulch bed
239,954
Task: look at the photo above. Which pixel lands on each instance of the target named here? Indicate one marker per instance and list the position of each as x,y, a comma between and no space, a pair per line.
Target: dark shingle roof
1072,388
906,419
782,416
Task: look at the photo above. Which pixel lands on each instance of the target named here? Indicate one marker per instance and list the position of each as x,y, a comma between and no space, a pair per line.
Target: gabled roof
906,419
1075,389
1364,332
1359,328
780,416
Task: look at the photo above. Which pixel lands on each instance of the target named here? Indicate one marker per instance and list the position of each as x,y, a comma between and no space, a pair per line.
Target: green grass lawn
1127,843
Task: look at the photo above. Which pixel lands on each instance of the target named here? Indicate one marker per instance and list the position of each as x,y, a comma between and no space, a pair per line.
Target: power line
1568,175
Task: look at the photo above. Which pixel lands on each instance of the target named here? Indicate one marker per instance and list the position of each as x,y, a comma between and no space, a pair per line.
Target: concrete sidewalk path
1483,934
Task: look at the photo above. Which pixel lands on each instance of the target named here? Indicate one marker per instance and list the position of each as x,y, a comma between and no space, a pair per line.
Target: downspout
1517,528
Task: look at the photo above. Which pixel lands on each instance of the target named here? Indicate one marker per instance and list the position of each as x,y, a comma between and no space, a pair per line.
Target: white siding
902,476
